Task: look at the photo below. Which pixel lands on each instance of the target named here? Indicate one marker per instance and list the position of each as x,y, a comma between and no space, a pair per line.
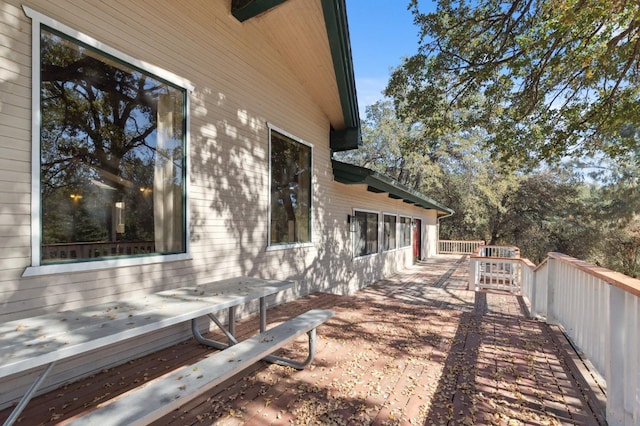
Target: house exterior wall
240,85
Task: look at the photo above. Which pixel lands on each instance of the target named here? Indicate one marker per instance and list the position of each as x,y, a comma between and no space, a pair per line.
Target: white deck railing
598,309
458,247
498,251
93,250
497,268
600,312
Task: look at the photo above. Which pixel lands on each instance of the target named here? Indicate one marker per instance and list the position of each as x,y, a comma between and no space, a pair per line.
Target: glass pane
360,234
112,156
404,238
290,191
372,233
389,232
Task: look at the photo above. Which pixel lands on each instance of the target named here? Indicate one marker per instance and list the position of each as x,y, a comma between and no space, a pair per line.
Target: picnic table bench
44,340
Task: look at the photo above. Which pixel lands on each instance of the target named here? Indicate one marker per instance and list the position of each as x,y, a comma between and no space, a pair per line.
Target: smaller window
290,168
389,232
404,238
365,233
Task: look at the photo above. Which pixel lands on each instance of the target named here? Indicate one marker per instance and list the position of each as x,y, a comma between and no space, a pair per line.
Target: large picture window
404,238
365,233
290,213
389,232
112,156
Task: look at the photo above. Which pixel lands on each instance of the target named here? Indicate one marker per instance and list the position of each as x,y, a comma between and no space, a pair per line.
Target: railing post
552,280
473,273
532,297
615,357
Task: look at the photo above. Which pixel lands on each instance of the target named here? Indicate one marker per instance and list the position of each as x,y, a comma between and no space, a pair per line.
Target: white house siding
240,84
347,274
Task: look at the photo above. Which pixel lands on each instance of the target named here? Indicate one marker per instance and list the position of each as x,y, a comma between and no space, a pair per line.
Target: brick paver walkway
417,348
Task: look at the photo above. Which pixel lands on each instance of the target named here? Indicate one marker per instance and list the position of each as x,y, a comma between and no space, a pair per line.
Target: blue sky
382,33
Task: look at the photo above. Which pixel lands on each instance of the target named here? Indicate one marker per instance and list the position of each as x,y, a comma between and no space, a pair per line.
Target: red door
417,239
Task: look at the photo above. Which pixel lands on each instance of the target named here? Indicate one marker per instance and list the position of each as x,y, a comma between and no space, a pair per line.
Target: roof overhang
345,132
335,18
350,175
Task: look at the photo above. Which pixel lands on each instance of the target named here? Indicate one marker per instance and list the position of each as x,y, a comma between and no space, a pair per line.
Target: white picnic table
43,340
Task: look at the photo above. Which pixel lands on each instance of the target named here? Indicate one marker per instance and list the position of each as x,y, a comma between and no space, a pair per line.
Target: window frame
351,226
401,224
38,20
394,215
284,246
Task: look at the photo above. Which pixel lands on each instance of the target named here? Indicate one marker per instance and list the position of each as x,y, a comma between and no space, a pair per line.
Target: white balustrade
497,268
600,312
458,247
498,251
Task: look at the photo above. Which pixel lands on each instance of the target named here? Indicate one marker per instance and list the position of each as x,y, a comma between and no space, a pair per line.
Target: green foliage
543,79
624,241
616,207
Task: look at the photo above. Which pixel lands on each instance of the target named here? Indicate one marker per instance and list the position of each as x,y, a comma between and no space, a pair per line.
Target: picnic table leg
232,322
263,315
296,364
231,332
27,396
208,342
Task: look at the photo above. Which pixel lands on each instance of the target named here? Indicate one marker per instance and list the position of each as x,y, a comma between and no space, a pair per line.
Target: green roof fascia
335,18
243,10
350,174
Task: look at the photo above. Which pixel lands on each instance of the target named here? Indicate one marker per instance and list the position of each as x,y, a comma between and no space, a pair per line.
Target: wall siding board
9,155
14,197
13,138
14,105
12,112
14,188
14,220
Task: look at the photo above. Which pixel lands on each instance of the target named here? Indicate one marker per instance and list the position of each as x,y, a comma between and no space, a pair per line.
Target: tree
545,79
388,145
550,210
616,207
621,251
407,152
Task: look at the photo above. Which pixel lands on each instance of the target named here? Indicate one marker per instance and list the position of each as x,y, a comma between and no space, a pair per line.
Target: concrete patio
417,348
